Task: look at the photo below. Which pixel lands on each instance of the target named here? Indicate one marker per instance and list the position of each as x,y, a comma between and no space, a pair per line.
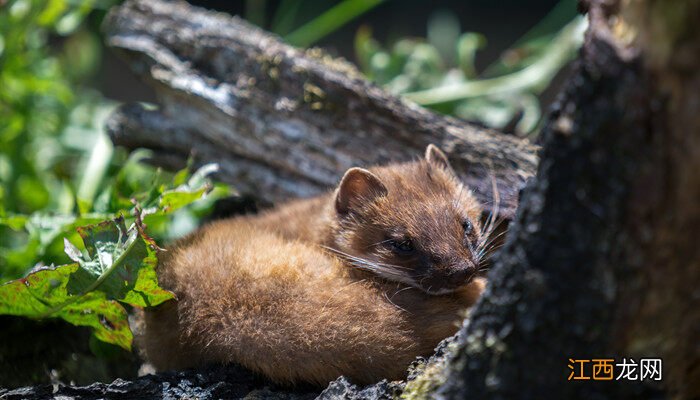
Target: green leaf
53,10
120,262
467,46
196,187
119,266
46,227
43,293
330,21
15,222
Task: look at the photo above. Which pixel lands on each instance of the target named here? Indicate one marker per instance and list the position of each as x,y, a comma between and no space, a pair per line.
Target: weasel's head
414,223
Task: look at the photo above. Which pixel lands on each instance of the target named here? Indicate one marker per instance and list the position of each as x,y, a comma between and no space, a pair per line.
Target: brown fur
260,291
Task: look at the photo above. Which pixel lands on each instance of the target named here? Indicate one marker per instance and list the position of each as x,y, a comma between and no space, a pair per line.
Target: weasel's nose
460,275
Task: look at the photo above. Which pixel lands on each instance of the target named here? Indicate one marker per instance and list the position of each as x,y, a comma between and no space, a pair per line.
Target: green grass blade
329,21
286,14
534,77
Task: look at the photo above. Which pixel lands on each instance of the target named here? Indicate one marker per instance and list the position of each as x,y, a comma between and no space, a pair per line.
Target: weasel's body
343,284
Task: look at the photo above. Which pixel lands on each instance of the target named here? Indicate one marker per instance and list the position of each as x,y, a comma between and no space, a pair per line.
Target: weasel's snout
460,276
449,279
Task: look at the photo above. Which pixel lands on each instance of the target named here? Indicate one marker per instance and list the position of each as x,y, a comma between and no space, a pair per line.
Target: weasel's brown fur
357,282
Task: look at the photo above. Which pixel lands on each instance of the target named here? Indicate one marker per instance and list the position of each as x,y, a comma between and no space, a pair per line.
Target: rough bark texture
218,383
603,260
221,383
282,122
231,382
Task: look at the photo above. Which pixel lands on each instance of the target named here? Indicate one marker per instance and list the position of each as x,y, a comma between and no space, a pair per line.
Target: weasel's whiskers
386,270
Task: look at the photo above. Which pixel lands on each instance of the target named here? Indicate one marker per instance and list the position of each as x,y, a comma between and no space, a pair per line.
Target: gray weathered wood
282,122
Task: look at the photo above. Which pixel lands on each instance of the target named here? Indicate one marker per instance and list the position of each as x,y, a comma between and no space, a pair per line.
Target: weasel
357,282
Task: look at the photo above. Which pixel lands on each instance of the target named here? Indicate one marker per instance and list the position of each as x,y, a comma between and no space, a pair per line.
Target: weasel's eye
468,227
403,247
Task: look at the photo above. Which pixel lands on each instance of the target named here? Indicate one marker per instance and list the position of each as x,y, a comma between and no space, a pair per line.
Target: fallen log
283,122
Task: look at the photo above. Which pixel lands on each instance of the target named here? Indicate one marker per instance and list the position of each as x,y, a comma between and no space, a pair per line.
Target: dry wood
283,122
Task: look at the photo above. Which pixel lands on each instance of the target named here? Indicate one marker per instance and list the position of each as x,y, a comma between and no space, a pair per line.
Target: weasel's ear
435,157
357,187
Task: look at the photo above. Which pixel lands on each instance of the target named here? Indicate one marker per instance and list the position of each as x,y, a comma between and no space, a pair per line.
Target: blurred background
493,63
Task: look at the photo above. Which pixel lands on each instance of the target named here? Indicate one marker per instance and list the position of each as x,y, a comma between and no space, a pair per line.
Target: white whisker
388,271
394,304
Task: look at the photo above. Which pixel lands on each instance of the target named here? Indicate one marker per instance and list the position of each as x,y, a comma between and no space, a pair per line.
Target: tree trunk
604,257
283,122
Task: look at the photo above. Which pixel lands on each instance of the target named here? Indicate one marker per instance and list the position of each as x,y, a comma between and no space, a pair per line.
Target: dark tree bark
219,383
604,257
282,122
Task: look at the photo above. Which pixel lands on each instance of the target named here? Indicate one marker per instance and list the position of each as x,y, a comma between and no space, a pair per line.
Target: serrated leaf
146,292
120,262
108,318
44,294
119,266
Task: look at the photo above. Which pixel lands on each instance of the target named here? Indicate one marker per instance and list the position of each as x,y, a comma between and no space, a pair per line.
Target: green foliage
45,293
38,99
440,72
119,262
48,123
62,182
119,265
323,20
116,264
329,21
